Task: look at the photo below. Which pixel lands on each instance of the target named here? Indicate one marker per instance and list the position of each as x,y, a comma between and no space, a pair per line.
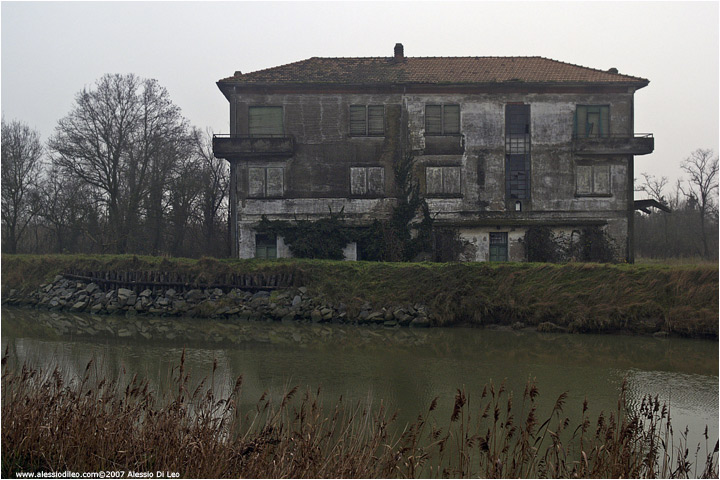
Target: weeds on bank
92,424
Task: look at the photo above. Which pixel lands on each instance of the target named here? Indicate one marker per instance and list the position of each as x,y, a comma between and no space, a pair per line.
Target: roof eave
225,84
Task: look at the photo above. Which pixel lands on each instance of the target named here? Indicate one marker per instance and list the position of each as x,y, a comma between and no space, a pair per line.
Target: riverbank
634,299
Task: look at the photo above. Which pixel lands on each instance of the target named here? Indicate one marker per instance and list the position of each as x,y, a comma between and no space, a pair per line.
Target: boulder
420,322
79,306
193,295
124,293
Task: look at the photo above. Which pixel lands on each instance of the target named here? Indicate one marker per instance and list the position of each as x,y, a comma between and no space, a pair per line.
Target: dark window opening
265,246
517,153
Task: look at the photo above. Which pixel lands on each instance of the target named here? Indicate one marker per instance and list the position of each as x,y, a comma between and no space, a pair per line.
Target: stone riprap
281,305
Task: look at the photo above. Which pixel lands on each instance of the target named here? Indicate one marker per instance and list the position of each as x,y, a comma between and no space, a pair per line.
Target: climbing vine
322,238
593,244
400,238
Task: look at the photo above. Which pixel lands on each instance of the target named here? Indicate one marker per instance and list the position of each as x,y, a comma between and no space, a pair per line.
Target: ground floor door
498,247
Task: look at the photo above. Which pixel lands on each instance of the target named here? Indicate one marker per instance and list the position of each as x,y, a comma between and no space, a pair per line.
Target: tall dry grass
92,424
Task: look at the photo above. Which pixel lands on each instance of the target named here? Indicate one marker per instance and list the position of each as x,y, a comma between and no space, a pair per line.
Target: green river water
402,368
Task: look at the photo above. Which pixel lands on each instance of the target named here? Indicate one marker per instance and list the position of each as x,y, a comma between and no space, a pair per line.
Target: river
404,368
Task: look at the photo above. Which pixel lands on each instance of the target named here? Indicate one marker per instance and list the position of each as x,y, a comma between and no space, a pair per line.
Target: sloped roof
430,70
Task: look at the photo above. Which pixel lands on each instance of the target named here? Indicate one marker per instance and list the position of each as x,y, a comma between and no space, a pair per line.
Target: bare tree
214,188
702,168
653,186
120,139
67,204
183,194
22,163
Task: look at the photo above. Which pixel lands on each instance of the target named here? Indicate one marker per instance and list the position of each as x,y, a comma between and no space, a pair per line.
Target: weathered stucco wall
330,169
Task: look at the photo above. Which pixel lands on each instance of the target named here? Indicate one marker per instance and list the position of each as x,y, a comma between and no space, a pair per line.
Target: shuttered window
592,180
376,120
442,119
442,181
367,120
265,121
266,182
367,181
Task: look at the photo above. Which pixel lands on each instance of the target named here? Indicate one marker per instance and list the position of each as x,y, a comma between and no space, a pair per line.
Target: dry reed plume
90,424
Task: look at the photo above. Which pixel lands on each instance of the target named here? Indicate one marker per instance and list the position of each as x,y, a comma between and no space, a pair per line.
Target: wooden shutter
256,182
433,180
451,180
433,120
376,120
358,120
265,121
274,182
358,181
451,119
601,179
376,180
583,179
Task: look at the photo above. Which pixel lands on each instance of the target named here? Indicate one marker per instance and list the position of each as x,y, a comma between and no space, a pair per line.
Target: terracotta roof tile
430,70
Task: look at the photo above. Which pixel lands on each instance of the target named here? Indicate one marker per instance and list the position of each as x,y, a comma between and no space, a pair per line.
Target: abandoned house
500,144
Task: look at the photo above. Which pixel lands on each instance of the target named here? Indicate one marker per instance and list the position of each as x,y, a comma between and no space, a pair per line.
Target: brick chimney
399,52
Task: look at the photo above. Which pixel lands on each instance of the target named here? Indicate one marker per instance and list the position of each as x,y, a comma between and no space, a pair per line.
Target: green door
498,247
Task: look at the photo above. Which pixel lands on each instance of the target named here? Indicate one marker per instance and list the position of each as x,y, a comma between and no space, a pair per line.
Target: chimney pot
399,52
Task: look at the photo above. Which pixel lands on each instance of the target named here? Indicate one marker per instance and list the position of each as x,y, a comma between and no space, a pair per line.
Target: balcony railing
233,146
638,144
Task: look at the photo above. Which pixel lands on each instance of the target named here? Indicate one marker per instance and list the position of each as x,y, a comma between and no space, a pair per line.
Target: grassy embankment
678,299
93,424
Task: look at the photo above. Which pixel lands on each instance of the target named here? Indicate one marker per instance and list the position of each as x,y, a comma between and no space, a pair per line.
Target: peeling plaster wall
316,177
478,243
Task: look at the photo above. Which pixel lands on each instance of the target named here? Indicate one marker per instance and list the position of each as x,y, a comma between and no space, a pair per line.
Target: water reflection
402,367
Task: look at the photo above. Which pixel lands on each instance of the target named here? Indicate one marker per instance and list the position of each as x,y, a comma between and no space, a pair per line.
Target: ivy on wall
322,238
400,238
593,244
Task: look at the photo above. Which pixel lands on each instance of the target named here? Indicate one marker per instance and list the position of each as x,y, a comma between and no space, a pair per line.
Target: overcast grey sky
51,50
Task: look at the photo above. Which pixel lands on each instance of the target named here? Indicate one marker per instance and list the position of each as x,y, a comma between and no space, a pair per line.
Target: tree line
690,229
124,172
